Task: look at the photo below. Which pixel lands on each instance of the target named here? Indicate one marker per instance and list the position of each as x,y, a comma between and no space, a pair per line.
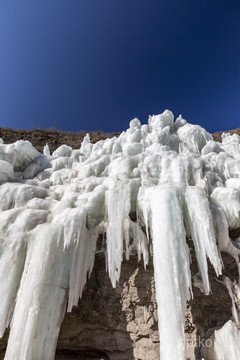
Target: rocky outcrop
121,323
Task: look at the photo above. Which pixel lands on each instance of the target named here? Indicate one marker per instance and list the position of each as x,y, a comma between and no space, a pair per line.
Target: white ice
224,344
165,182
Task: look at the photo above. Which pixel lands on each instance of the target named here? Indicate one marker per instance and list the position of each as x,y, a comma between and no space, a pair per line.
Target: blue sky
96,64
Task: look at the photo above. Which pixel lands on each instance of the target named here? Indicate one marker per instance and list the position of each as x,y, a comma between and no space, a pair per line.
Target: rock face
121,323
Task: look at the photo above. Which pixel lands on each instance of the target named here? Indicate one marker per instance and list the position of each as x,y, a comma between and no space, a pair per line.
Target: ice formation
225,343
178,182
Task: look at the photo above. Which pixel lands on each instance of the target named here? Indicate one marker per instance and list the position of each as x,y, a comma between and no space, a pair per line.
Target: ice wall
178,182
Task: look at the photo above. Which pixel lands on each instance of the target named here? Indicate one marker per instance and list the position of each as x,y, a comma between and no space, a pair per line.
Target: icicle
13,253
82,260
198,217
41,299
118,208
140,242
171,267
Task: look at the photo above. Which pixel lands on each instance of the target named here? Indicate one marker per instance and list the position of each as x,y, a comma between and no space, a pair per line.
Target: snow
53,208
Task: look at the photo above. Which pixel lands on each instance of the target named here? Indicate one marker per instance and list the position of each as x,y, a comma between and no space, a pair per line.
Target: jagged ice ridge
177,181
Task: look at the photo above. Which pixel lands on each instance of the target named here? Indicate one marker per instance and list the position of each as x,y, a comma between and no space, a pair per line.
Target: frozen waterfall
53,208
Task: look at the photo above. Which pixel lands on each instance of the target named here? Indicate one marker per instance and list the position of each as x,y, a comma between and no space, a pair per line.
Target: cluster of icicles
171,174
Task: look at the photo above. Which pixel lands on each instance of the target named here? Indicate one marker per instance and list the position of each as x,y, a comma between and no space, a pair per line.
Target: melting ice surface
53,208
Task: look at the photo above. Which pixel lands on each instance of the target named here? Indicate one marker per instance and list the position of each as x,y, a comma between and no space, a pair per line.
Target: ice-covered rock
160,182
224,344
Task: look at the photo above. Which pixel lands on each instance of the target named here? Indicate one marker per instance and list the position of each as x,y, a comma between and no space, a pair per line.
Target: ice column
171,267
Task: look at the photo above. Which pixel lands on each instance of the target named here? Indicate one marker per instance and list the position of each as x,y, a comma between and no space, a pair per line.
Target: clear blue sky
96,64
